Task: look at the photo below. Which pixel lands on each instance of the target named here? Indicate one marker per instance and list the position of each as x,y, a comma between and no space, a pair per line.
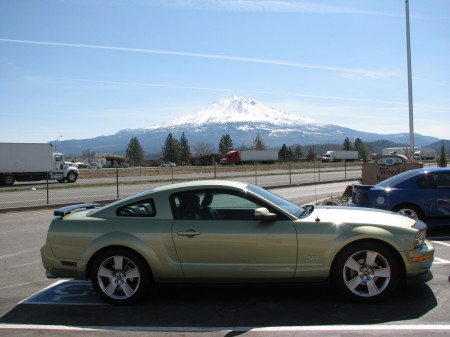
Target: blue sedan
423,194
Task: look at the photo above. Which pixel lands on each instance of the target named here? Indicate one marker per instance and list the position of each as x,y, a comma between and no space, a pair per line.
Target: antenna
315,191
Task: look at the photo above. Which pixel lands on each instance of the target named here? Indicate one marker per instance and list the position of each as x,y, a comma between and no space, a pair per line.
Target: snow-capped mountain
237,109
242,119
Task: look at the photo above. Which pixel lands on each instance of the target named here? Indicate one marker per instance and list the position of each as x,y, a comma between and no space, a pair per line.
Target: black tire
409,210
121,284
366,271
71,177
8,180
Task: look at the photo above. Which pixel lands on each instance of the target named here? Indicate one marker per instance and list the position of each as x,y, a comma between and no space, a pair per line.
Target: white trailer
33,162
258,156
424,153
334,156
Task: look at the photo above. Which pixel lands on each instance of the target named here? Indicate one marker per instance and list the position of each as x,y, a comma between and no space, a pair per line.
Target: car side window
427,182
213,205
436,181
141,208
443,180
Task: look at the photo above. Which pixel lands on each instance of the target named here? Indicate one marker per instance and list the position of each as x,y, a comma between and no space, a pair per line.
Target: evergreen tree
185,150
171,149
311,156
258,143
283,153
134,152
442,157
298,152
225,144
361,148
347,146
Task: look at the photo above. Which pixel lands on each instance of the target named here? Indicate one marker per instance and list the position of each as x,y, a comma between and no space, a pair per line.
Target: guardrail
109,184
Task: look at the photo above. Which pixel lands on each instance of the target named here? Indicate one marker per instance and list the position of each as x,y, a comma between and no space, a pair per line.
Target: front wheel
71,177
120,276
366,271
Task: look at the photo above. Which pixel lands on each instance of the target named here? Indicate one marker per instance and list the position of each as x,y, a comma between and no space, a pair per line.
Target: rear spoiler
68,209
363,187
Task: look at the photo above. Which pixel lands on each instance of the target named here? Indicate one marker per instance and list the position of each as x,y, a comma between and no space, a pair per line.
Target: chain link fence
105,185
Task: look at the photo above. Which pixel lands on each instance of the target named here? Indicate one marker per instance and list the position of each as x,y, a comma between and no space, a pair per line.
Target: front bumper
419,261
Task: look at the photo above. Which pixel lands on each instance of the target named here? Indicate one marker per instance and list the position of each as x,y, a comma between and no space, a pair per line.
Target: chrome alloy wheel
366,273
118,277
409,212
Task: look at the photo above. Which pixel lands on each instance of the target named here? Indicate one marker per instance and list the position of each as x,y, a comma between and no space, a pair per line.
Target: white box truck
249,156
424,153
334,156
33,162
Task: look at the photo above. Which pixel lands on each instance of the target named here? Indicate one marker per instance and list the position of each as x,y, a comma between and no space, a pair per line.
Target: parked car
168,164
422,194
225,231
123,165
94,165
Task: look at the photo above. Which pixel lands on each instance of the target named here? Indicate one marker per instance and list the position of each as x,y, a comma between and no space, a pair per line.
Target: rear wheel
409,210
7,180
120,276
366,271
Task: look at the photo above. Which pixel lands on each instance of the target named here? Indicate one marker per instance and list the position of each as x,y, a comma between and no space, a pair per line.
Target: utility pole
410,99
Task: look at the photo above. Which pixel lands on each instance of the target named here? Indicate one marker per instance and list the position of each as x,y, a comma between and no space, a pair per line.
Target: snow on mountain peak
237,109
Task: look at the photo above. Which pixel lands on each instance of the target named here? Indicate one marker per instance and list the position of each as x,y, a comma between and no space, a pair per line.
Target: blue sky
85,68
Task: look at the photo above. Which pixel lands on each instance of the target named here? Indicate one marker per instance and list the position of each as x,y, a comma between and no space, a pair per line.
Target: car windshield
397,179
279,201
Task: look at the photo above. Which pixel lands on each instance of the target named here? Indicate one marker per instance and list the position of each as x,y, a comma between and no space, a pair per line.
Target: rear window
141,208
397,179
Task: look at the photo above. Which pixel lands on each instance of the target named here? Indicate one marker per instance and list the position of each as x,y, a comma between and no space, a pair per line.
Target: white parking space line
373,327
440,261
441,243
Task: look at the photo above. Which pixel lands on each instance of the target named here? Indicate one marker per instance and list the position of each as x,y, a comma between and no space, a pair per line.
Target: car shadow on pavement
231,306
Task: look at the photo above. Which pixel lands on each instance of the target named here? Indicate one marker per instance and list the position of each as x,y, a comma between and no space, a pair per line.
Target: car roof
202,183
183,186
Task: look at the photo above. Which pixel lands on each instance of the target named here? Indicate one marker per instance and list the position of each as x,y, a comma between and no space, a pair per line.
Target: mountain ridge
242,119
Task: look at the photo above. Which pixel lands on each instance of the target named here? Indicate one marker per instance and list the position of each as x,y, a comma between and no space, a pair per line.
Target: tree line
179,151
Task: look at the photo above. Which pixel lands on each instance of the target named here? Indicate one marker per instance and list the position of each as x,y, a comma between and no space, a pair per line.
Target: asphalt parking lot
32,305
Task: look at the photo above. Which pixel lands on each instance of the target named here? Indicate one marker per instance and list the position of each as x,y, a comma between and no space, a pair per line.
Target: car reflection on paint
225,231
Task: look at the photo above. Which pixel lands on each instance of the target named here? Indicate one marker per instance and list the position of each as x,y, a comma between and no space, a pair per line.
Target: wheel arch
94,256
385,244
419,208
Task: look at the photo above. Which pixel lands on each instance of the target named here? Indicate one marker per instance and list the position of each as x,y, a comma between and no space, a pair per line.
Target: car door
442,193
435,193
232,244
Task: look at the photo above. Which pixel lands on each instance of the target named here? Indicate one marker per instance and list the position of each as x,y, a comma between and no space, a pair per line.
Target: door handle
189,233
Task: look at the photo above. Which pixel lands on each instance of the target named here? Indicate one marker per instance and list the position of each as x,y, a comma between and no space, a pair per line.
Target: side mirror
263,214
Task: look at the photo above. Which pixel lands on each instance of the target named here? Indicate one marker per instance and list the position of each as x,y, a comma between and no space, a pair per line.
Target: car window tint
141,208
213,205
427,182
443,180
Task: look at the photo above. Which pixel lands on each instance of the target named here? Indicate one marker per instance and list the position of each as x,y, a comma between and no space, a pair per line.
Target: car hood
358,215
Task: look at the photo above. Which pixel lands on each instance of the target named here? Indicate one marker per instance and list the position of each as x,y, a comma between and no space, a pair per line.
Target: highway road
32,305
99,189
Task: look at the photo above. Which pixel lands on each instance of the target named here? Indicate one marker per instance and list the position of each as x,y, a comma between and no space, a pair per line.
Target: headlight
420,239
421,234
